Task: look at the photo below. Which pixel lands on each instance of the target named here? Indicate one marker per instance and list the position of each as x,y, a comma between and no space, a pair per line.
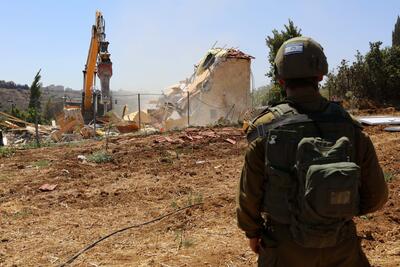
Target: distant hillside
20,95
12,85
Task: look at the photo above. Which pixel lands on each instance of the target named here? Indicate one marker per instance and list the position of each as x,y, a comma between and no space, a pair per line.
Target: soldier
308,170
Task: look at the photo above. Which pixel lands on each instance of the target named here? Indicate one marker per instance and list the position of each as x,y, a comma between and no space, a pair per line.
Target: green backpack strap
286,114
283,108
280,111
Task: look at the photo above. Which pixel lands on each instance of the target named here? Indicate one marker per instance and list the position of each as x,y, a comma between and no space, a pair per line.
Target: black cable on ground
70,260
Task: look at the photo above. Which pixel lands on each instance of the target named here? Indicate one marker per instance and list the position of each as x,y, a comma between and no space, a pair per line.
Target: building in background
219,90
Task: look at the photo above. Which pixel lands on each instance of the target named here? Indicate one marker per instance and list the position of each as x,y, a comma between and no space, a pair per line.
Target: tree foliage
34,98
275,41
13,85
374,76
260,96
396,33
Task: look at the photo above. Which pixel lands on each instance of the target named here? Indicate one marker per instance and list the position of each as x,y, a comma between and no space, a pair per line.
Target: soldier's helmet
300,57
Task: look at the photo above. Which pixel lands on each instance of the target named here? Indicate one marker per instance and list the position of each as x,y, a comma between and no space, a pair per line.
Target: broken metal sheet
392,129
377,120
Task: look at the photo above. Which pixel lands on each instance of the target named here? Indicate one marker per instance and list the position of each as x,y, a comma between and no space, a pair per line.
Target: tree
47,110
275,41
374,76
396,33
261,96
34,102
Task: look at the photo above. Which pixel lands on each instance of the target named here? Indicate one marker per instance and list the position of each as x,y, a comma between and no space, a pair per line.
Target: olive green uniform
278,248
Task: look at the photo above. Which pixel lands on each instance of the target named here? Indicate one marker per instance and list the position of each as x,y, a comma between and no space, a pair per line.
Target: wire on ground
70,260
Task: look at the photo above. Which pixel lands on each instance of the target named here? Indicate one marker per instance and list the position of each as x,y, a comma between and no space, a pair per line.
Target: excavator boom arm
98,61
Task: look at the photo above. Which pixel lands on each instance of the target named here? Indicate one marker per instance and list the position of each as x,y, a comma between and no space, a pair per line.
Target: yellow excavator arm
98,61
90,69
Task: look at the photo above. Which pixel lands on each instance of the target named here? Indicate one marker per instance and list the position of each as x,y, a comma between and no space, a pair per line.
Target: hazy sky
155,43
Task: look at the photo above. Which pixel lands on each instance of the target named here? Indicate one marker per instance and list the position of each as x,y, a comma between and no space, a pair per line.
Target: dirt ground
148,177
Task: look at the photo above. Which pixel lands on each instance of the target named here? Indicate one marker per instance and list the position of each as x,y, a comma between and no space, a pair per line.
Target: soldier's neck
302,92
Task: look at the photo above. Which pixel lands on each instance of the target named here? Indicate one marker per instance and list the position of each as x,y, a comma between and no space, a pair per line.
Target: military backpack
312,179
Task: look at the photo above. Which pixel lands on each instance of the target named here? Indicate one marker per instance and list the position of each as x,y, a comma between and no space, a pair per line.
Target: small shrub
388,176
101,156
6,152
41,163
182,240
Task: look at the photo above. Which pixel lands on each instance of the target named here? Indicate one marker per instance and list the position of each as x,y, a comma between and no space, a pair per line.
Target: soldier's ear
320,77
281,82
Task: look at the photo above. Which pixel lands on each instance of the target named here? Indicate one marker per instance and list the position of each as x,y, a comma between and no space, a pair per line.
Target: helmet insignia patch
294,48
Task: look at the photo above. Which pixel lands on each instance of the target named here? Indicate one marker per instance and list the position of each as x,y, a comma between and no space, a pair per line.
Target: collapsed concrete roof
213,54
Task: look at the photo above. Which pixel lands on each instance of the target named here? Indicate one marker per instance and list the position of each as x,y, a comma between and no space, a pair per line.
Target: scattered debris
128,127
233,142
200,162
82,158
47,187
378,120
65,171
392,129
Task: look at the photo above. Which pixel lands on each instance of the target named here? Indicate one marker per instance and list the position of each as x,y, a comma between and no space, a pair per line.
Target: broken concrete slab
379,120
392,129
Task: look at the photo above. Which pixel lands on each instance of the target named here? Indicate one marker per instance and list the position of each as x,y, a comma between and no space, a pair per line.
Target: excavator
97,102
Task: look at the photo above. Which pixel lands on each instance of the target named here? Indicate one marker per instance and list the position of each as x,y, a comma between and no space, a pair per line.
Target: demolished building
218,90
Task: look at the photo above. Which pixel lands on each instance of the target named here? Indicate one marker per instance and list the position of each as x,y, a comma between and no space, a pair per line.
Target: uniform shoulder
354,120
264,118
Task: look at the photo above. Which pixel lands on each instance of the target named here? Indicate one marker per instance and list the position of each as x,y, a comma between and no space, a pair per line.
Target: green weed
194,199
100,156
388,176
366,217
6,152
25,212
191,199
182,240
41,163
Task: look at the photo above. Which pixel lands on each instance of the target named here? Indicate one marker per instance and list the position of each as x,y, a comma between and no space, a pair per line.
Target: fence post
140,119
37,122
94,112
188,109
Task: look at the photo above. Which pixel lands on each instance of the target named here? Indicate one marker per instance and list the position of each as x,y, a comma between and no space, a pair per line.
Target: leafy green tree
19,114
47,113
376,68
396,33
275,41
374,76
260,96
33,112
34,101
392,66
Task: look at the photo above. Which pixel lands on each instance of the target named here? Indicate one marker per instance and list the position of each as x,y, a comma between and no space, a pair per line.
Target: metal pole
188,109
94,112
37,122
140,119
